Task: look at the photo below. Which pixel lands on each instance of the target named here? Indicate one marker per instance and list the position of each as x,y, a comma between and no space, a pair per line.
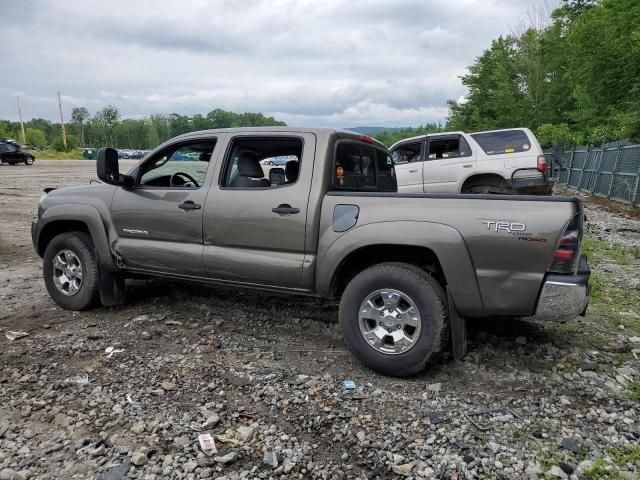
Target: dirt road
264,374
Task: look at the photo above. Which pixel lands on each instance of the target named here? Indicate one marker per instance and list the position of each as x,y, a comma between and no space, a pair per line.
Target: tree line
107,127
574,79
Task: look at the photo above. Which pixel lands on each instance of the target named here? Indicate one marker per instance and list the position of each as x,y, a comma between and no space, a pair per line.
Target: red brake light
541,164
564,254
366,138
567,253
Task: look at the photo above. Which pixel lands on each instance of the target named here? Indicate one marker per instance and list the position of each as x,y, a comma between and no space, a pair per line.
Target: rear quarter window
508,141
361,167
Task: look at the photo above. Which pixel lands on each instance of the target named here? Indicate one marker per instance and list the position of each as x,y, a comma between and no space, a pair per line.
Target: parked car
276,161
496,161
408,268
11,153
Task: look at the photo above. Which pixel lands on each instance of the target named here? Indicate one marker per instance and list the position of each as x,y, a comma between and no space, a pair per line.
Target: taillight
541,164
567,253
366,138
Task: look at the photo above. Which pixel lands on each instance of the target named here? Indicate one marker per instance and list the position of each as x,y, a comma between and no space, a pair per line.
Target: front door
256,215
448,161
159,221
407,159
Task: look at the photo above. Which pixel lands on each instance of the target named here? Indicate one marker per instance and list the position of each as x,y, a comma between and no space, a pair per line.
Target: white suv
495,161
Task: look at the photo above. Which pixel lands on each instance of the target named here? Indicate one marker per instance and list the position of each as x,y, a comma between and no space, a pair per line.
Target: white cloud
331,62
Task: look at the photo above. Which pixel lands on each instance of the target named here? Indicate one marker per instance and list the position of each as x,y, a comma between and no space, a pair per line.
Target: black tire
29,161
81,245
430,300
489,186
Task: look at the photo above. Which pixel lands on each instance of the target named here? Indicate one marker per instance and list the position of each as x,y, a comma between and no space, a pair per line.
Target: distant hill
373,131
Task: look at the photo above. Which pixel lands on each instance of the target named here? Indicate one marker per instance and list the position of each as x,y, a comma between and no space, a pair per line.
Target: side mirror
108,170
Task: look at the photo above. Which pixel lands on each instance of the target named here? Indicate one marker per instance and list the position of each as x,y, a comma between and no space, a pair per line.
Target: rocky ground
264,375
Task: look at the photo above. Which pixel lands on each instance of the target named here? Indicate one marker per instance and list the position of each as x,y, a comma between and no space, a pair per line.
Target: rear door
407,159
159,221
256,216
448,161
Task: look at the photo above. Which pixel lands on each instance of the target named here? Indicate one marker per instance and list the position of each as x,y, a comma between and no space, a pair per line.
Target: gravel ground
264,375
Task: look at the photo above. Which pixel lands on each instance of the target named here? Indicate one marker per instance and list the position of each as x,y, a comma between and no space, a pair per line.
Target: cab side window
263,162
448,147
179,166
407,153
359,167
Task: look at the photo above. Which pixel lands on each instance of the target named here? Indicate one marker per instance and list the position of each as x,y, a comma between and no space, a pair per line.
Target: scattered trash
140,318
80,379
116,473
132,402
434,418
434,387
172,322
109,351
15,335
349,384
571,445
207,444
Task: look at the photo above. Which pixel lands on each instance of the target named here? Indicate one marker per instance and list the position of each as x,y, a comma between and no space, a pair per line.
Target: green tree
79,115
36,138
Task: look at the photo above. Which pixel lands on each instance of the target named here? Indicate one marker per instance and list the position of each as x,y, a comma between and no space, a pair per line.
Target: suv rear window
508,141
363,168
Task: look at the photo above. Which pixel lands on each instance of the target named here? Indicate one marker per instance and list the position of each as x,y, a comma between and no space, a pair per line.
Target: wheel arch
479,178
68,218
439,249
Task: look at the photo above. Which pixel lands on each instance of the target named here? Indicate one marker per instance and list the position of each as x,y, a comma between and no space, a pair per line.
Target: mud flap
111,287
458,329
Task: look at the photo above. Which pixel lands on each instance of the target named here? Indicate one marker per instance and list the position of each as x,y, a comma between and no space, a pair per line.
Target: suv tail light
567,253
541,163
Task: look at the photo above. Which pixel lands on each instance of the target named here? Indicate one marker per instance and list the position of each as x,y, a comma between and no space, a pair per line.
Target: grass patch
626,455
632,389
55,155
600,471
598,250
609,295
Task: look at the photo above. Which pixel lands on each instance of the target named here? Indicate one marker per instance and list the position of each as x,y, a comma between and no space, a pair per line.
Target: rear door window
359,167
448,147
507,141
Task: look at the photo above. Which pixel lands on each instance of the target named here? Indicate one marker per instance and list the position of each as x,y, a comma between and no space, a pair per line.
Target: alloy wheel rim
67,272
389,321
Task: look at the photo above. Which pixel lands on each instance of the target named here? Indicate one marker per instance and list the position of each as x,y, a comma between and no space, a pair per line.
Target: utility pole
24,137
64,135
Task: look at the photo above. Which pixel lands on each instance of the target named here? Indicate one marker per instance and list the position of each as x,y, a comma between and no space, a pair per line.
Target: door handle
189,205
285,209
413,171
467,166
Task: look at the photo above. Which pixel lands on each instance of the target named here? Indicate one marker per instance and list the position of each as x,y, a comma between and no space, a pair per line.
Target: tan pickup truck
314,211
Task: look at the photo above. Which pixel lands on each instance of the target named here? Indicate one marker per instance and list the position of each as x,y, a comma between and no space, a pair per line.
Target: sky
316,63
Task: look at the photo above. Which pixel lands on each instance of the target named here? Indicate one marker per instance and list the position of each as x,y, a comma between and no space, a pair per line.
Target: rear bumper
564,297
530,179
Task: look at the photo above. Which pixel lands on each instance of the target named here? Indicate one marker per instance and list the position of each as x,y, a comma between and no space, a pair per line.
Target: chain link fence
611,171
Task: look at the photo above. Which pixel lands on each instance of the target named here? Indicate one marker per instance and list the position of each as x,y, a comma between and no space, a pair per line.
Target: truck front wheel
395,319
70,270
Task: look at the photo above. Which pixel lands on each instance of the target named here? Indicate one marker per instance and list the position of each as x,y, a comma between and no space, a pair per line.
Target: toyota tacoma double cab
409,269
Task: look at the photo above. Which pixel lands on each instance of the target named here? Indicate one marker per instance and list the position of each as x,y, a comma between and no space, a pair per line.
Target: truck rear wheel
70,270
395,319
